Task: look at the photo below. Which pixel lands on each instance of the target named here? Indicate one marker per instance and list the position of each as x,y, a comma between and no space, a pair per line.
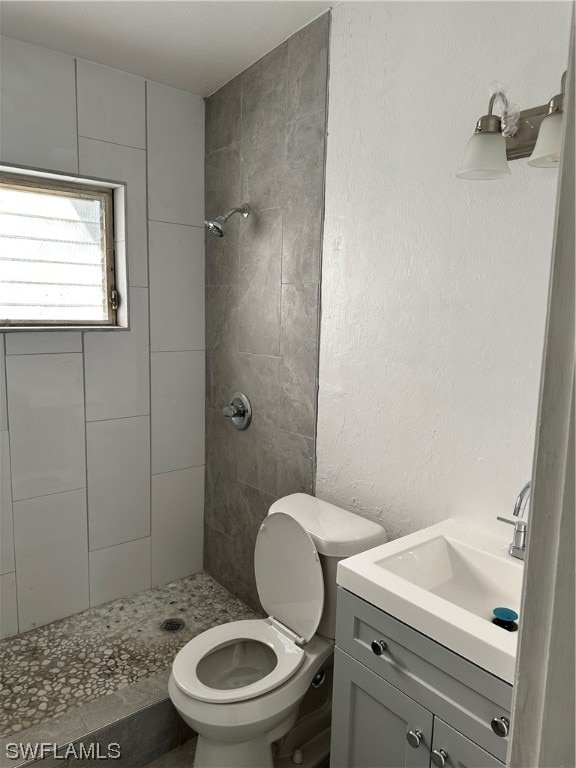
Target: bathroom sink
445,581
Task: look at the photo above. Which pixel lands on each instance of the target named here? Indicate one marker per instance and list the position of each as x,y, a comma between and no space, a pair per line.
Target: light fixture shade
546,152
485,157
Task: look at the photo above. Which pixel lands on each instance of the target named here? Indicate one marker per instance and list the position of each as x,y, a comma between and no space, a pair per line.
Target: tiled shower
265,141
102,433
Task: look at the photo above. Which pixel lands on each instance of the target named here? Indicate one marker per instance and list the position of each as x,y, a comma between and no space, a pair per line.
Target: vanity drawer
453,688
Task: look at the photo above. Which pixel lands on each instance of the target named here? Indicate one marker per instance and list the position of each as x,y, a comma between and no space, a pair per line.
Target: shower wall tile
118,502
175,155
177,524
6,521
51,557
8,606
110,161
295,463
176,287
38,115
264,130
221,343
119,571
223,193
260,283
265,134
117,366
253,508
308,69
221,473
178,403
258,453
223,116
303,199
257,376
111,105
46,413
299,354
220,557
43,342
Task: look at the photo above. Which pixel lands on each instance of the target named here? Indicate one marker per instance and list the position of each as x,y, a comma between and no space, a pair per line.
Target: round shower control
239,411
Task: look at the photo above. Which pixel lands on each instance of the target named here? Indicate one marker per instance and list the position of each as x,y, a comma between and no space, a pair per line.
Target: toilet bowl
239,685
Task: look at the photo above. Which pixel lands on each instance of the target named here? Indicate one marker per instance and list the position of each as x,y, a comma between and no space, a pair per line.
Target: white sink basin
445,582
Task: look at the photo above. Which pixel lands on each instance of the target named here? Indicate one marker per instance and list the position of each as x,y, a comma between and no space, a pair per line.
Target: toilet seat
289,658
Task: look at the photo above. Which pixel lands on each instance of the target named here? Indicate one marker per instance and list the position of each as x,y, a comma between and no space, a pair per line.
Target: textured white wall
434,288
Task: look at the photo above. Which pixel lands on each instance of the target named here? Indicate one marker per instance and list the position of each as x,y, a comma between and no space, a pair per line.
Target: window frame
90,189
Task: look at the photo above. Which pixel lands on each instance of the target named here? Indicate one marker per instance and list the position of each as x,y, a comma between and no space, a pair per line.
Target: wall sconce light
534,133
485,156
546,152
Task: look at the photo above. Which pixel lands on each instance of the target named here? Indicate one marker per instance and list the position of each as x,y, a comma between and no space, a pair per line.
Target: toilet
239,685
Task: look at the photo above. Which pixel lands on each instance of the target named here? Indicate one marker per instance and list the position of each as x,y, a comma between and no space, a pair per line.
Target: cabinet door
453,750
370,721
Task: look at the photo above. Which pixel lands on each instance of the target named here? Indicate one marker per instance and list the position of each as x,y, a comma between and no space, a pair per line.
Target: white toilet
239,685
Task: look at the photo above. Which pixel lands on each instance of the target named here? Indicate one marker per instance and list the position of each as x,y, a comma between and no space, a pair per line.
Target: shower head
216,226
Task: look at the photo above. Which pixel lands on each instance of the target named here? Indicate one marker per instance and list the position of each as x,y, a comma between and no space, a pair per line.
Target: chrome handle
414,738
231,410
439,757
378,647
500,726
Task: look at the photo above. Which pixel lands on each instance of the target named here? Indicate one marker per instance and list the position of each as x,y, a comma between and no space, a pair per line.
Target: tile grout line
146,86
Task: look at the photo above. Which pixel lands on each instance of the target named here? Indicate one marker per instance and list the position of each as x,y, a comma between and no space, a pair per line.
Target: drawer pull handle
378,647
414,738
500,726
439,757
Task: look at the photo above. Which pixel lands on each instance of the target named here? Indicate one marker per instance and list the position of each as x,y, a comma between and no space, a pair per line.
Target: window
56,253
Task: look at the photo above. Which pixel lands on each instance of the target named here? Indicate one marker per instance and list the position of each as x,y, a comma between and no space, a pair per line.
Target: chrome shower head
216,226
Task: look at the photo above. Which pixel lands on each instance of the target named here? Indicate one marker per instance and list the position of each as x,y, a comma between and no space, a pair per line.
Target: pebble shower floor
49,670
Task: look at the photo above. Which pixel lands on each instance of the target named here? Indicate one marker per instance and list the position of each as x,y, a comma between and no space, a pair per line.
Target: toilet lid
289,575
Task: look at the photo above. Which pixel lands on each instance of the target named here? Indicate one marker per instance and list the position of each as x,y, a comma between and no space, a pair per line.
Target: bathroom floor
49,670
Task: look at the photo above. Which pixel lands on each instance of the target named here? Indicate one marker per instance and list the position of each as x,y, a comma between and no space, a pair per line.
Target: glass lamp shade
485,157
546,153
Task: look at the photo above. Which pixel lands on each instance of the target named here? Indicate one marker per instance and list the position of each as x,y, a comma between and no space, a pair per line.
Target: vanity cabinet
401,699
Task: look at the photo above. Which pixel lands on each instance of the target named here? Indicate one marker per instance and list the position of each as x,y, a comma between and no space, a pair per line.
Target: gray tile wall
265,137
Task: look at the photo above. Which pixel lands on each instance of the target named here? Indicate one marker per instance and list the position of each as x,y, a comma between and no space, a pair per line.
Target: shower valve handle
233,410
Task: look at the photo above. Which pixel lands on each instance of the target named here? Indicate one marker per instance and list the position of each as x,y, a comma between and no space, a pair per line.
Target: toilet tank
337,534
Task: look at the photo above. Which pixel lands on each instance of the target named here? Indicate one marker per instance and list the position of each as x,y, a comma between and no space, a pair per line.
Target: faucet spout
521,501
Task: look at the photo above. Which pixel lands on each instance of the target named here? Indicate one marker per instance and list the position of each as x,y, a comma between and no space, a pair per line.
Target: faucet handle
506,520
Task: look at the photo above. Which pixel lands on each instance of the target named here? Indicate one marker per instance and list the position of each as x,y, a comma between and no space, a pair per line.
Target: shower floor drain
172,625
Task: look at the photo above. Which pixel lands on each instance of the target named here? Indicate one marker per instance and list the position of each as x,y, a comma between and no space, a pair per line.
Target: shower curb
140,718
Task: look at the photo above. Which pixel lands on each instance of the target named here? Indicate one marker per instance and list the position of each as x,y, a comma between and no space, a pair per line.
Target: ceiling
196,45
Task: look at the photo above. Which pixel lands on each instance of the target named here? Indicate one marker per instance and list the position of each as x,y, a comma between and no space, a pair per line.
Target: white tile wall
116,163
6,523
58,381
3,405
118,502
8,605
119,571
111,105
51,557
30,343
175,156
176,287
38,107
177,410
117,366
46,413
177,524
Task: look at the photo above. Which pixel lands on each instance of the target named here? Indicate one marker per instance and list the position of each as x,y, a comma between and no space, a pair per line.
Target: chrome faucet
517,547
